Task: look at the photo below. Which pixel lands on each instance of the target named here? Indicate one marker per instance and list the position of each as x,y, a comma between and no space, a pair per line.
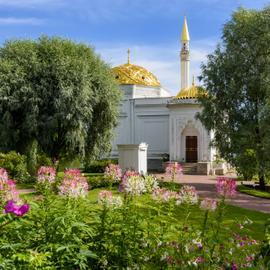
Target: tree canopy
237,79
59,94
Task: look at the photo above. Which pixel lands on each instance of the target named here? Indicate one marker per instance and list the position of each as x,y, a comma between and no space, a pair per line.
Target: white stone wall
162,126
143,120
182,124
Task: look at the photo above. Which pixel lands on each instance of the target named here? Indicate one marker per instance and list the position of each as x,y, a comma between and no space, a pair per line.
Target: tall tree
236,77
59,94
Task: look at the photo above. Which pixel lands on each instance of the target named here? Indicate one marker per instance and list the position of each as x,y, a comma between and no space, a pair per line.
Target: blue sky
150,28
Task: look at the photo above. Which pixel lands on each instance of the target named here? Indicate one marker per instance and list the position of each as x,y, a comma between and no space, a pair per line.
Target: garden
134,222
59,102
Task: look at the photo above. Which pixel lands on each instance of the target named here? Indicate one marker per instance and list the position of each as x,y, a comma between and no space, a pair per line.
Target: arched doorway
190,143
192,149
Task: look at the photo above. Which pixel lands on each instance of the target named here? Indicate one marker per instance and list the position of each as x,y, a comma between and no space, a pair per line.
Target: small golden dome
133,74
191,92
188,93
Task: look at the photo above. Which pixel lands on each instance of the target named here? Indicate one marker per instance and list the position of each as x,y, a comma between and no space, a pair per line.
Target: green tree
236,77
57,95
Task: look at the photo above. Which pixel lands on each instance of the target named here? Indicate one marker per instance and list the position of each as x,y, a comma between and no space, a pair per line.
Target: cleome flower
3,176
150,183
106,199
8,189
208,204
187,195
9,196
113,172
226,186
15,208
46,175
74,184
174,170
164,195
124,179
134,185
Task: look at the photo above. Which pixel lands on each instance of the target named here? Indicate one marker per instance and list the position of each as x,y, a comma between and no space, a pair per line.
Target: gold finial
128,51
185,33
193,80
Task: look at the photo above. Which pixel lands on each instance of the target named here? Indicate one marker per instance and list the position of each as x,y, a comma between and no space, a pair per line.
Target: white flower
135,185
187,195
150,183
164,256
106,198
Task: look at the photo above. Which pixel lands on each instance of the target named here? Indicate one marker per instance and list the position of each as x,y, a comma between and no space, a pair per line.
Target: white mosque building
166,123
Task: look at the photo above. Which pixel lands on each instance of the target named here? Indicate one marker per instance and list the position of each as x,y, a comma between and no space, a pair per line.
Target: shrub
43,160
98,166
98,182
16,166
265,249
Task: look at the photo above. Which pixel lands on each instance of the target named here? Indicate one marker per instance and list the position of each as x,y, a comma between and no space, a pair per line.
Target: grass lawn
233,214
254,192
61,174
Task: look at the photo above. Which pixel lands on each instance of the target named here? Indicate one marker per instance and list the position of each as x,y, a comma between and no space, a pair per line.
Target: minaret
184,55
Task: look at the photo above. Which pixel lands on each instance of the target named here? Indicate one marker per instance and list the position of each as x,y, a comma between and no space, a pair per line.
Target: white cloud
29,3
162,60
20,21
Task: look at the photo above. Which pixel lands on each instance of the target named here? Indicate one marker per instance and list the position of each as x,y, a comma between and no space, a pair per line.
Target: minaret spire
185,33
128,52
184,56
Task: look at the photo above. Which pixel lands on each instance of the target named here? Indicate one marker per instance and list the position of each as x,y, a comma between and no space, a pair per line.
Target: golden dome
190,92
133,74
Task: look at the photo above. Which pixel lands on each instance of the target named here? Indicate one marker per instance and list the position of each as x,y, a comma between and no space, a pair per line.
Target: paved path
205,186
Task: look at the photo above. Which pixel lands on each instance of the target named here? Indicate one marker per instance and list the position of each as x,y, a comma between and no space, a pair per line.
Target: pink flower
46,175
163,194
226,186
113,172
174,169
11,191
199,260
250,258
72,173
104,195
74,184
124,181
254,242
3,174
3,178
107,199
208,204
18,210
7,187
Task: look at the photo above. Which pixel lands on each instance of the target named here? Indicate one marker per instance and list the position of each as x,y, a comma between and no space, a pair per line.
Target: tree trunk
262,181
32,158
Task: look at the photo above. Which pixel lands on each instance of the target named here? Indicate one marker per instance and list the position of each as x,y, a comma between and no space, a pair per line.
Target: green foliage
253,192
16,166
55,92
98,182
98,166
265,249
43,160
236,77
61,233
243,161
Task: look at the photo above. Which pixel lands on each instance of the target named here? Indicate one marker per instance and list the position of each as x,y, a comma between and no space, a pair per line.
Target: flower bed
138,226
